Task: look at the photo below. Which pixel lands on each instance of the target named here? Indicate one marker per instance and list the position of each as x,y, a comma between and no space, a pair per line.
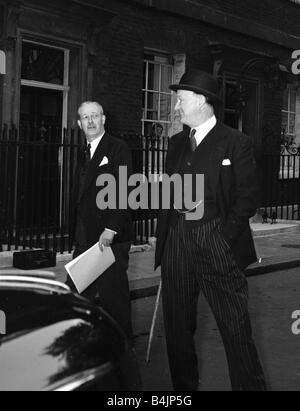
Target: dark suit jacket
95,220
235,189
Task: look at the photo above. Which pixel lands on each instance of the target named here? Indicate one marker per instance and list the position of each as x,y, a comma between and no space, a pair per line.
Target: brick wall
117,58
119,70
279,14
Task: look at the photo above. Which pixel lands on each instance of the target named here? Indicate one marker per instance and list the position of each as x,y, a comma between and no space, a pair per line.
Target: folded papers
89,266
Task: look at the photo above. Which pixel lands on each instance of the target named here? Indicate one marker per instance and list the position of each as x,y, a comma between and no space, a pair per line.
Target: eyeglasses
91,117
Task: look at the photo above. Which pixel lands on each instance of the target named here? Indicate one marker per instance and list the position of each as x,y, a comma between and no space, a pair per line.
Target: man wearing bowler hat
209,254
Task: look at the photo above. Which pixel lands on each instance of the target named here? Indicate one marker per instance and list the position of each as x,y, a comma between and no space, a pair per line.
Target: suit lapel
179,150
218,136
95,161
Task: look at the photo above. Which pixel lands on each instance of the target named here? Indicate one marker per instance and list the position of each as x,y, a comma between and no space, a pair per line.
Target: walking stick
154,322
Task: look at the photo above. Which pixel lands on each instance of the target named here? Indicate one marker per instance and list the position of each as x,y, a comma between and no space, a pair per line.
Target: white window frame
160,93
65,88
290,162
289,111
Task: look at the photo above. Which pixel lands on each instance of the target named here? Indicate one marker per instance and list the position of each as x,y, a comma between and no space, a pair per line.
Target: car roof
34,280
29,273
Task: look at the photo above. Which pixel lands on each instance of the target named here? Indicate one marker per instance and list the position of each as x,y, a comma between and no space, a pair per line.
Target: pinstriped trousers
195,260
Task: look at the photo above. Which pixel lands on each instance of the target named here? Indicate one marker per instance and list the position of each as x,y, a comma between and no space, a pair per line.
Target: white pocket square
226,162
103,162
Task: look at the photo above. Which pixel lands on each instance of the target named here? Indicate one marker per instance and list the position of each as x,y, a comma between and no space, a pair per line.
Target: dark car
57,341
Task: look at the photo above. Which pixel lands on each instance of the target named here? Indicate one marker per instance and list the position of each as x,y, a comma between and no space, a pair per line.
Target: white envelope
226,162
89,266
104,162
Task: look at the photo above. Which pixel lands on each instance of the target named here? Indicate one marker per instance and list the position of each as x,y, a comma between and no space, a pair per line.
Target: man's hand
106,239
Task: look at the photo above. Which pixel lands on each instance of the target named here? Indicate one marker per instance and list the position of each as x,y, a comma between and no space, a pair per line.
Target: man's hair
89,102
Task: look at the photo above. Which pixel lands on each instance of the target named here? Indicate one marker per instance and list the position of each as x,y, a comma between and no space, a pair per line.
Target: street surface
273,299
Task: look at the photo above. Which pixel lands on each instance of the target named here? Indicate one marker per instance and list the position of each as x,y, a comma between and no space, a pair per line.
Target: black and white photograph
149,198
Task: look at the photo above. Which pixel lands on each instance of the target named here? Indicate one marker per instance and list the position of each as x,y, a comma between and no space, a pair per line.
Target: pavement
274,285
277,245
274,295
272,300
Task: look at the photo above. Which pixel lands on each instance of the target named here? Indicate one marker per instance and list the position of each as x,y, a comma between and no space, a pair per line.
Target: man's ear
104,119
201,100
79,124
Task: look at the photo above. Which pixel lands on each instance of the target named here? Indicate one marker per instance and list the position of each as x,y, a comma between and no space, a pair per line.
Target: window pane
231,119
292,125
154,77
293,101
232,95
289,112
157,97
41,63
152,111
42,109
148,128
286,100
285,121
165,107
166,78
152,115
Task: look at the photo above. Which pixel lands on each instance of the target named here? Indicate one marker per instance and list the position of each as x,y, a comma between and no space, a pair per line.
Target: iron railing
280,177
37,178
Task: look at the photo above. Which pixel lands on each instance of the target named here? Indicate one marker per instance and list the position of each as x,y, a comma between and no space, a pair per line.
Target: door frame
233,76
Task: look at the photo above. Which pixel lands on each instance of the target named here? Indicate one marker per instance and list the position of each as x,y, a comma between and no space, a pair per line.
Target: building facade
125,54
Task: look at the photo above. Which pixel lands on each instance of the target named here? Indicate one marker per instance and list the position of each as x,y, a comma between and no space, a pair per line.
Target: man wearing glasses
103,154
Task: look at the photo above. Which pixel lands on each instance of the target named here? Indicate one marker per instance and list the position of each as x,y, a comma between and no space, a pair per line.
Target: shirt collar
94,144
204,129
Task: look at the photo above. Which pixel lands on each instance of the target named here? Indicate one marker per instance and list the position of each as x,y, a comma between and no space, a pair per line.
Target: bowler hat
200,82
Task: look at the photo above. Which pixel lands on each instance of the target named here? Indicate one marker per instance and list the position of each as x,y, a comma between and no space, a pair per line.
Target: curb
6,257
151,290
272,267
148,287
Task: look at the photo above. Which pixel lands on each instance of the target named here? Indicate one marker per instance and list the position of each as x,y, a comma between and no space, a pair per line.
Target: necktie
86,158
193,141
87,153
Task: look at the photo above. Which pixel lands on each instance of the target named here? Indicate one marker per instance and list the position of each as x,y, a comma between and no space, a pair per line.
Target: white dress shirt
94,144
205,128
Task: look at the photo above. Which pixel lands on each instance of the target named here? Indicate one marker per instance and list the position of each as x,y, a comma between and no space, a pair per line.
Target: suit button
189,164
